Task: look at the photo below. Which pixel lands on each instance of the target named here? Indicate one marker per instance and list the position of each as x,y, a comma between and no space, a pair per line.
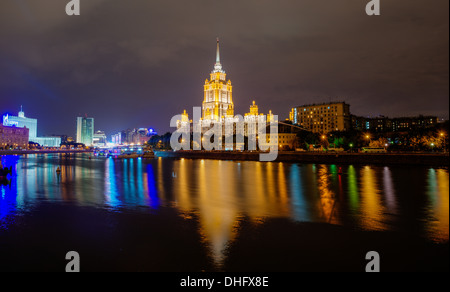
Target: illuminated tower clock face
218,100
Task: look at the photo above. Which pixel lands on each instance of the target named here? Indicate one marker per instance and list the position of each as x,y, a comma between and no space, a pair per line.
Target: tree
380,142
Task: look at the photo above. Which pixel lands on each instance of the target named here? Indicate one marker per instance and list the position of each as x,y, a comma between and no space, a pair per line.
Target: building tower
85,130
218,98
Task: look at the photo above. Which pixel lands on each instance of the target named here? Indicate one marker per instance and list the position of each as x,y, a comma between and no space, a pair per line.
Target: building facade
22,121
53,142
218,106
99,138
413,123
322,118
14,137
218,94
385,124
137,136
85,131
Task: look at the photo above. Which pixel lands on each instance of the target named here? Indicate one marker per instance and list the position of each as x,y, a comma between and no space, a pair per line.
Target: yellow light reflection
438,191
161,190
182,182
327,202
372,212
217,207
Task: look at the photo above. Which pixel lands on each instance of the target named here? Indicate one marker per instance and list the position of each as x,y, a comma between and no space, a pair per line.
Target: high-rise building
217,106
22,121
218,110
218,93
322,118
85,130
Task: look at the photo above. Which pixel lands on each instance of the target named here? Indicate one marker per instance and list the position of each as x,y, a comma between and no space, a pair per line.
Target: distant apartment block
322,118
385,124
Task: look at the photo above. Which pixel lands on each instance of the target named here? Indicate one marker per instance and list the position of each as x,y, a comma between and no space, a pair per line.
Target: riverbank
425,159
24,152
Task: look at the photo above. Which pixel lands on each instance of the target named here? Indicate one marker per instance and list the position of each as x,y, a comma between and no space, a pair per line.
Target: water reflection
372,209
221,194
327,201
111,191
438,192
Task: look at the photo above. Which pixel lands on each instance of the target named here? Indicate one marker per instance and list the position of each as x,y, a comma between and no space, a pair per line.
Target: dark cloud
137,63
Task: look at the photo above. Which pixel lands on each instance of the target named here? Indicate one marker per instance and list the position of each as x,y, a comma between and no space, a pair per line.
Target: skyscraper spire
218,66
218,52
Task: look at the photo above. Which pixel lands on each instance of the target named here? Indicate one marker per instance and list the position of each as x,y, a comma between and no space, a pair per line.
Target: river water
170,214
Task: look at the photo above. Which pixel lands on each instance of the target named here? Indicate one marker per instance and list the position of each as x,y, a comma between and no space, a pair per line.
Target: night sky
136,63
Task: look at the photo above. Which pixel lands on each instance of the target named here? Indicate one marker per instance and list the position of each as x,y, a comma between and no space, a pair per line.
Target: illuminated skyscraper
218,93
85,130
218,109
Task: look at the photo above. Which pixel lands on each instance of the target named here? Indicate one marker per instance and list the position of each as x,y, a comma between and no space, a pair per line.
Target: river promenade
425,159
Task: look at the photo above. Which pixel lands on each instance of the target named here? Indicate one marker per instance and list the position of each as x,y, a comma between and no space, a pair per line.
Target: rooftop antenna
21,113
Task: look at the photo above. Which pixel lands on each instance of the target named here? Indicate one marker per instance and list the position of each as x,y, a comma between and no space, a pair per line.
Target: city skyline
207,138
133,75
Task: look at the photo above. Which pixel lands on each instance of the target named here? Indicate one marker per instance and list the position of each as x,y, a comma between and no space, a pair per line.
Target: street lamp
368,138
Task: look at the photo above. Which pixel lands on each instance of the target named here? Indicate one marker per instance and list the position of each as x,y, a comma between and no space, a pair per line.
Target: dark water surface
207,215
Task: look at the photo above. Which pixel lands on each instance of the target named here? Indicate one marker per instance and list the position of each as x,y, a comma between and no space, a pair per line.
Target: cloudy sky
136,63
